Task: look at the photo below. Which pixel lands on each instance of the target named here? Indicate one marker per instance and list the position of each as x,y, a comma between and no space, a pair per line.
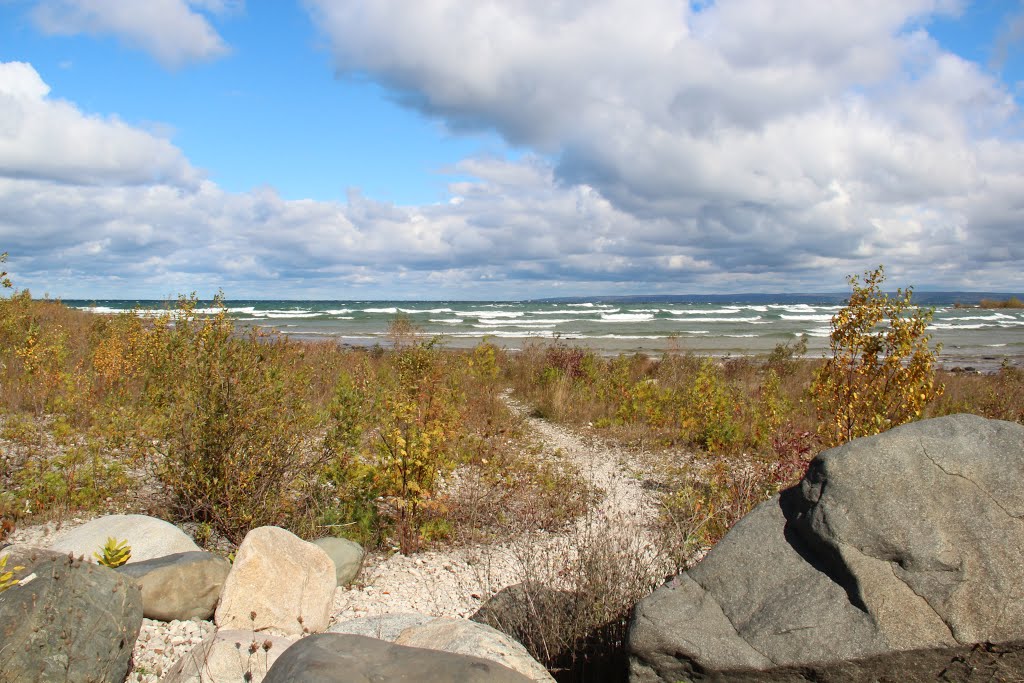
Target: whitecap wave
490,314
434,311
703,319
712,311
808,317
626,317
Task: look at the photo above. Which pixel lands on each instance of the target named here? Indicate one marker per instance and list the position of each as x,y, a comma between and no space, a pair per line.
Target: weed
7,579
114,553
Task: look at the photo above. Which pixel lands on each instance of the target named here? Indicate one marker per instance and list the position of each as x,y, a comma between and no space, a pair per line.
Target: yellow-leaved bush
881,372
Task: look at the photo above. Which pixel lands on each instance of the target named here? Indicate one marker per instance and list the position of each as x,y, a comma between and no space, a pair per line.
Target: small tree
881,373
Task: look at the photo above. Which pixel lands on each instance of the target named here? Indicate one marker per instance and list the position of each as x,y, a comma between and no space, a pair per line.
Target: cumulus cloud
763,136
175,32
42,137
728,146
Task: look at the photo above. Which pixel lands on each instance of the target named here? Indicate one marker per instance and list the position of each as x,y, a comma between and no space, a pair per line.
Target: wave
975,326
447,321
626,317
563,312
717,320
993,317
101,310
713,311
796,308
507,334
808,317
426,310
391,310
490,314
289,314
528,326
623,336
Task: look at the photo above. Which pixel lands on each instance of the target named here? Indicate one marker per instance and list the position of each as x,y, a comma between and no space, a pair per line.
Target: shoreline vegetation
412,446
1012,302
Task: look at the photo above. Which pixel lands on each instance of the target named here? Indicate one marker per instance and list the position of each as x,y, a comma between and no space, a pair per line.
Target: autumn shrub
235,454
880,373
998,395
394,433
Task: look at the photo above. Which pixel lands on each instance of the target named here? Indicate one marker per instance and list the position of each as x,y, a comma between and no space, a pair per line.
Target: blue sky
508,149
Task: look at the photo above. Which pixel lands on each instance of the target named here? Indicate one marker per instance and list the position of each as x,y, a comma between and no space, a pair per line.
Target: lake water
713,325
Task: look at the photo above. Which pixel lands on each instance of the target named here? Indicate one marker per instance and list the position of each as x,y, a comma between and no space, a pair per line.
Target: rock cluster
71,619
897,557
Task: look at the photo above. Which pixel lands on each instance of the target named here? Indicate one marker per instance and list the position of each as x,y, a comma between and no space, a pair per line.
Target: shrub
234,453
711,416
881,370
1012,302
416,440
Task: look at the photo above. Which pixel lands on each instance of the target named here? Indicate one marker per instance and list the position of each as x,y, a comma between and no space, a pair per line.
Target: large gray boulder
181,586
895,556
334,657
148,537
66,620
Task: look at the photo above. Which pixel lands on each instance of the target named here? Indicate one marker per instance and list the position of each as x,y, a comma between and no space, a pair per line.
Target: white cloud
763,136
173,31
742,146
41,137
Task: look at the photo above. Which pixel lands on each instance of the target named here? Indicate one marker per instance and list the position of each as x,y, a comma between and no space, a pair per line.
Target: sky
509,149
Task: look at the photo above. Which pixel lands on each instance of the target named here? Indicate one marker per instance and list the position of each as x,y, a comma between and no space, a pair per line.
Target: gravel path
455,582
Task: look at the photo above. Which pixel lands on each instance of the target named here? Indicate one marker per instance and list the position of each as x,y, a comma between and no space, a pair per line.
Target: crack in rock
970,481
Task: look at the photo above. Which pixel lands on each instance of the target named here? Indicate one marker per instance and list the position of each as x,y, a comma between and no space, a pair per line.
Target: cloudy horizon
508,149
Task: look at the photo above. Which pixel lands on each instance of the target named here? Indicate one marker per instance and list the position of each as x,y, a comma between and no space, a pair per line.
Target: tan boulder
464,637
278,583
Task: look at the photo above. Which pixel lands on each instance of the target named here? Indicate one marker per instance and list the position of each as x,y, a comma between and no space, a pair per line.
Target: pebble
161,644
